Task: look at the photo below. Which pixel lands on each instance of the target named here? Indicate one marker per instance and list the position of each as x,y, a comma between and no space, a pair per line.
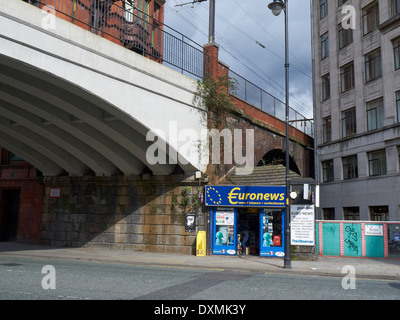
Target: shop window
351,213
224,228
272,228
379,213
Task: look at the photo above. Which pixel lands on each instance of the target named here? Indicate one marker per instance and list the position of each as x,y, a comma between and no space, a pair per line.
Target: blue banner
245,196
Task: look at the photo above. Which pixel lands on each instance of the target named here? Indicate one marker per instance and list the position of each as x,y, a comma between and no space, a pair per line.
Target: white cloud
239,25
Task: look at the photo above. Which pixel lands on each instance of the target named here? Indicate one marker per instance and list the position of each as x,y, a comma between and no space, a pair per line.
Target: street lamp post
276,7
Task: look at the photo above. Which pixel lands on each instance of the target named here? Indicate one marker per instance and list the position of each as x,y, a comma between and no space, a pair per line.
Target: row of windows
375,119
376,213
370,14
376,166
372,67
323,7
370,20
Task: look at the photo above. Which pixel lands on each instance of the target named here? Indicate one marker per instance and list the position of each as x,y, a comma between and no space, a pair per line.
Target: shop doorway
248,226
9,214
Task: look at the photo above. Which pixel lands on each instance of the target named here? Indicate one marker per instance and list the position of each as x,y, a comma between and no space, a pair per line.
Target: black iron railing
261,99
132,28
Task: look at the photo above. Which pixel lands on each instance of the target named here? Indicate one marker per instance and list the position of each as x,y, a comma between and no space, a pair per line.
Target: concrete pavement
323,266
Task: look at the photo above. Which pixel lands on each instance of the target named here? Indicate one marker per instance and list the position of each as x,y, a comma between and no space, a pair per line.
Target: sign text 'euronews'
246,196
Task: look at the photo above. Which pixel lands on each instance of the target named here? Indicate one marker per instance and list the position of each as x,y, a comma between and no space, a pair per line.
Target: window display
224,235
271,233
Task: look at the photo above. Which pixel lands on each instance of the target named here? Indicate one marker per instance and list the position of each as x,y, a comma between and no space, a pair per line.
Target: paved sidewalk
327,266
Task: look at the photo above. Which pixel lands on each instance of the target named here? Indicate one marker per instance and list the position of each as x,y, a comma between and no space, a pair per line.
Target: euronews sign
245,196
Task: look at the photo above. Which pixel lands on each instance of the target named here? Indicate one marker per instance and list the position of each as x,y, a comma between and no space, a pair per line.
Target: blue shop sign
245,196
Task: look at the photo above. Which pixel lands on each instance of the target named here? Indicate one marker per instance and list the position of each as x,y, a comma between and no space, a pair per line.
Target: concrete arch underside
61,128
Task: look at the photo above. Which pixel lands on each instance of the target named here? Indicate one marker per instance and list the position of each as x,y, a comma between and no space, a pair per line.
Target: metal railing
261,99
132,28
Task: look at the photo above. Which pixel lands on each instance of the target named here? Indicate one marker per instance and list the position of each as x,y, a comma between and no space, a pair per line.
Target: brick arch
277,156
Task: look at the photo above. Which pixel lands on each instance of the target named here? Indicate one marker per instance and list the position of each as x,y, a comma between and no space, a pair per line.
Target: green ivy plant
214,94
187,202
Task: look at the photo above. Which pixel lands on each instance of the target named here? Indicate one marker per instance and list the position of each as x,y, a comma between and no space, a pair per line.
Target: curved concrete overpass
73,102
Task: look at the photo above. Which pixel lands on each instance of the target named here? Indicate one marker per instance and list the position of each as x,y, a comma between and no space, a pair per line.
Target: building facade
357,96
112,196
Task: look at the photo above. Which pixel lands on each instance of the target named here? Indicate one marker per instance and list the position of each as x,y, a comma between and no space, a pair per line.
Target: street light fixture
276,7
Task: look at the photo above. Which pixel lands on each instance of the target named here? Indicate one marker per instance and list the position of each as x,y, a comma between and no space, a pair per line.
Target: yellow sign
201,244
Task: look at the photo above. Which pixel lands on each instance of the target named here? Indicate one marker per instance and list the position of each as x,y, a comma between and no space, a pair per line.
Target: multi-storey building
356,46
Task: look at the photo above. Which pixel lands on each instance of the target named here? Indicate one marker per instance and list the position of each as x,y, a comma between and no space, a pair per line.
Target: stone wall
126,213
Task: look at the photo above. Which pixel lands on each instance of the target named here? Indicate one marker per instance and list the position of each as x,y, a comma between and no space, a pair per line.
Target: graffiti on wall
351,239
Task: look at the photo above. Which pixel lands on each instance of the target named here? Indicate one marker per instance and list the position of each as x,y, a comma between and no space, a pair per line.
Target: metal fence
261,99
132,28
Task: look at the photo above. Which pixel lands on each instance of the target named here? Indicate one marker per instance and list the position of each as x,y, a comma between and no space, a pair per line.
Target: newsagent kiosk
247,216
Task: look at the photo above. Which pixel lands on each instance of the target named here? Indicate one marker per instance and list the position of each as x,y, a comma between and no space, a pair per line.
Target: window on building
394,7
326,91
327,129
350,167
328,213
373,65
349,122
398,151
327,170
351,213
398,105
13,157
371,18
375,114
396,53
345,36
340,2
324,46
377,163
379,213
347,77
323,7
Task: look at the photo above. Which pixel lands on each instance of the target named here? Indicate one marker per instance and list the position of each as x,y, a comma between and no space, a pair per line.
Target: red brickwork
20,175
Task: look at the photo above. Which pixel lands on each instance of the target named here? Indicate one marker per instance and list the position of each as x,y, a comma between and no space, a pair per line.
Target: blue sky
240,27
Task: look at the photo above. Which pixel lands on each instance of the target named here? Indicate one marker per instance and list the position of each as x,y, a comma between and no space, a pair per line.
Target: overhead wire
263,76
271,35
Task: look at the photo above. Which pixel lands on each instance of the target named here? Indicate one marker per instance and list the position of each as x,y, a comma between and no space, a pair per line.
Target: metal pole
211,27
287,260
316,170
